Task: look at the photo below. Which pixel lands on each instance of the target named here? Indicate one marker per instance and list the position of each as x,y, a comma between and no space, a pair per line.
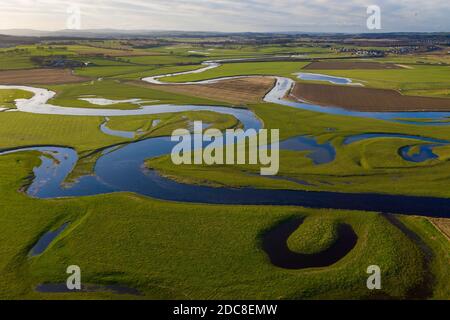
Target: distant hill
20,36
106,33
10,41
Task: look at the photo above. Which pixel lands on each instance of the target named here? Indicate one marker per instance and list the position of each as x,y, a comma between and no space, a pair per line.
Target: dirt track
38,76
235,91
347,65
366,99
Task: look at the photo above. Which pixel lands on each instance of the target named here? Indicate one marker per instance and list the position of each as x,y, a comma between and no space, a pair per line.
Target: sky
225,15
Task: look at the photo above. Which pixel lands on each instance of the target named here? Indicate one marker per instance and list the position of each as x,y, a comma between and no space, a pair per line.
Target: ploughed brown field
39,76
349,65
235,91
366,99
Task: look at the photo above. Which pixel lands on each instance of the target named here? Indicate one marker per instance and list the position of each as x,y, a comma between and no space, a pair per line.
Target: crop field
238,51
163,60
39,76
234,91
145,239
367,99
426,79
10,61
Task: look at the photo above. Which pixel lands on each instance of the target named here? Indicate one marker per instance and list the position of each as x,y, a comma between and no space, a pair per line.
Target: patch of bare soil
39,76
366,99
235,91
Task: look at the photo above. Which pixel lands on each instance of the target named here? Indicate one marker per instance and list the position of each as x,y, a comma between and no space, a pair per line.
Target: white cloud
228,15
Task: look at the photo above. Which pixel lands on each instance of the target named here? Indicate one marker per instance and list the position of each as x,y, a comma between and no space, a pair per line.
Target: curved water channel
275,245
321,77
121,168
423,153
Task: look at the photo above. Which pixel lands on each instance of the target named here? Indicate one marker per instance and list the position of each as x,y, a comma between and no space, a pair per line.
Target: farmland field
235,91
406,80
85,156
237,69
367,99
39,76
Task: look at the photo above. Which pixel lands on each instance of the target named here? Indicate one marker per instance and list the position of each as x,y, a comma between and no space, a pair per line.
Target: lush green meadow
245,68
315,234
11,61
25,129
170,250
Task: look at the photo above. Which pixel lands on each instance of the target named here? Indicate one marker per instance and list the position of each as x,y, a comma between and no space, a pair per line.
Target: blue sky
228,15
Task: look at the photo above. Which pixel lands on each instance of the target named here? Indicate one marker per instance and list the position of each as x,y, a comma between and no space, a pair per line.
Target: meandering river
121,169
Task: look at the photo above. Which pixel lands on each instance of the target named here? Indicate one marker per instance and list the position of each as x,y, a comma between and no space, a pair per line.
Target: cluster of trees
15,51
56,62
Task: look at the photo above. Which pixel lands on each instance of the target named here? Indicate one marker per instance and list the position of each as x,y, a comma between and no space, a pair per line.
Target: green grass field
367,166
163,60
237,51
7,97
170,250
315,235
247,68
419,80
131,72
171,121
25,129
68,95
139,249
156,71
12,61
